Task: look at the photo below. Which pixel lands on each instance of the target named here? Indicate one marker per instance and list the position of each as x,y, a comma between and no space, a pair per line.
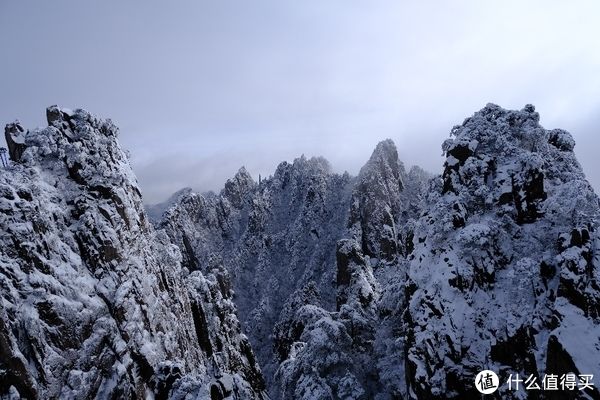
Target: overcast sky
200,88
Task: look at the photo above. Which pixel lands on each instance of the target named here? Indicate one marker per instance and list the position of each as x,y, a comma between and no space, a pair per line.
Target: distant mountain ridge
156,211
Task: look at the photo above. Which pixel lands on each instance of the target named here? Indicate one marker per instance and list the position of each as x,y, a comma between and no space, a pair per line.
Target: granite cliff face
393,284
94,302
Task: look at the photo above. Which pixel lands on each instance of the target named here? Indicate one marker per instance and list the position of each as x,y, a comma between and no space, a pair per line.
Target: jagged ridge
388,285
95,303
492,265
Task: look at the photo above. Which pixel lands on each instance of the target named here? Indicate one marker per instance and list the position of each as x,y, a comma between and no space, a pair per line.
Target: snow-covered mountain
275,238
505,270
95,303
491,265
393,284
155,211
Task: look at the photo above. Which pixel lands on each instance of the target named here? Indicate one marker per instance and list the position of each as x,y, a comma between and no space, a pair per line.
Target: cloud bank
202,88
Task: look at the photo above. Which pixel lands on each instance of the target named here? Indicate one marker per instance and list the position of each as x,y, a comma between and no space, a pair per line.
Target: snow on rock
389,285
282,242
377,203
156,211
332,351
491,265
275,237
95,302
367,360
15,139
504,271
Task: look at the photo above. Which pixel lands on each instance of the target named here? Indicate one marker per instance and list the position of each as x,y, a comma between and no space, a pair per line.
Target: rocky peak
505,158
417,174
280,240
383,176
94,302
376,203
238,188
302,171
384,163
58,117
312,165
488,272
156,211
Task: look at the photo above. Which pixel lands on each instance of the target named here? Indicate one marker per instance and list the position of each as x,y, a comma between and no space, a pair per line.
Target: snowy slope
94,302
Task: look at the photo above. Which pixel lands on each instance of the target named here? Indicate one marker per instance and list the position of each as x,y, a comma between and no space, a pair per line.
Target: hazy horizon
200,89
